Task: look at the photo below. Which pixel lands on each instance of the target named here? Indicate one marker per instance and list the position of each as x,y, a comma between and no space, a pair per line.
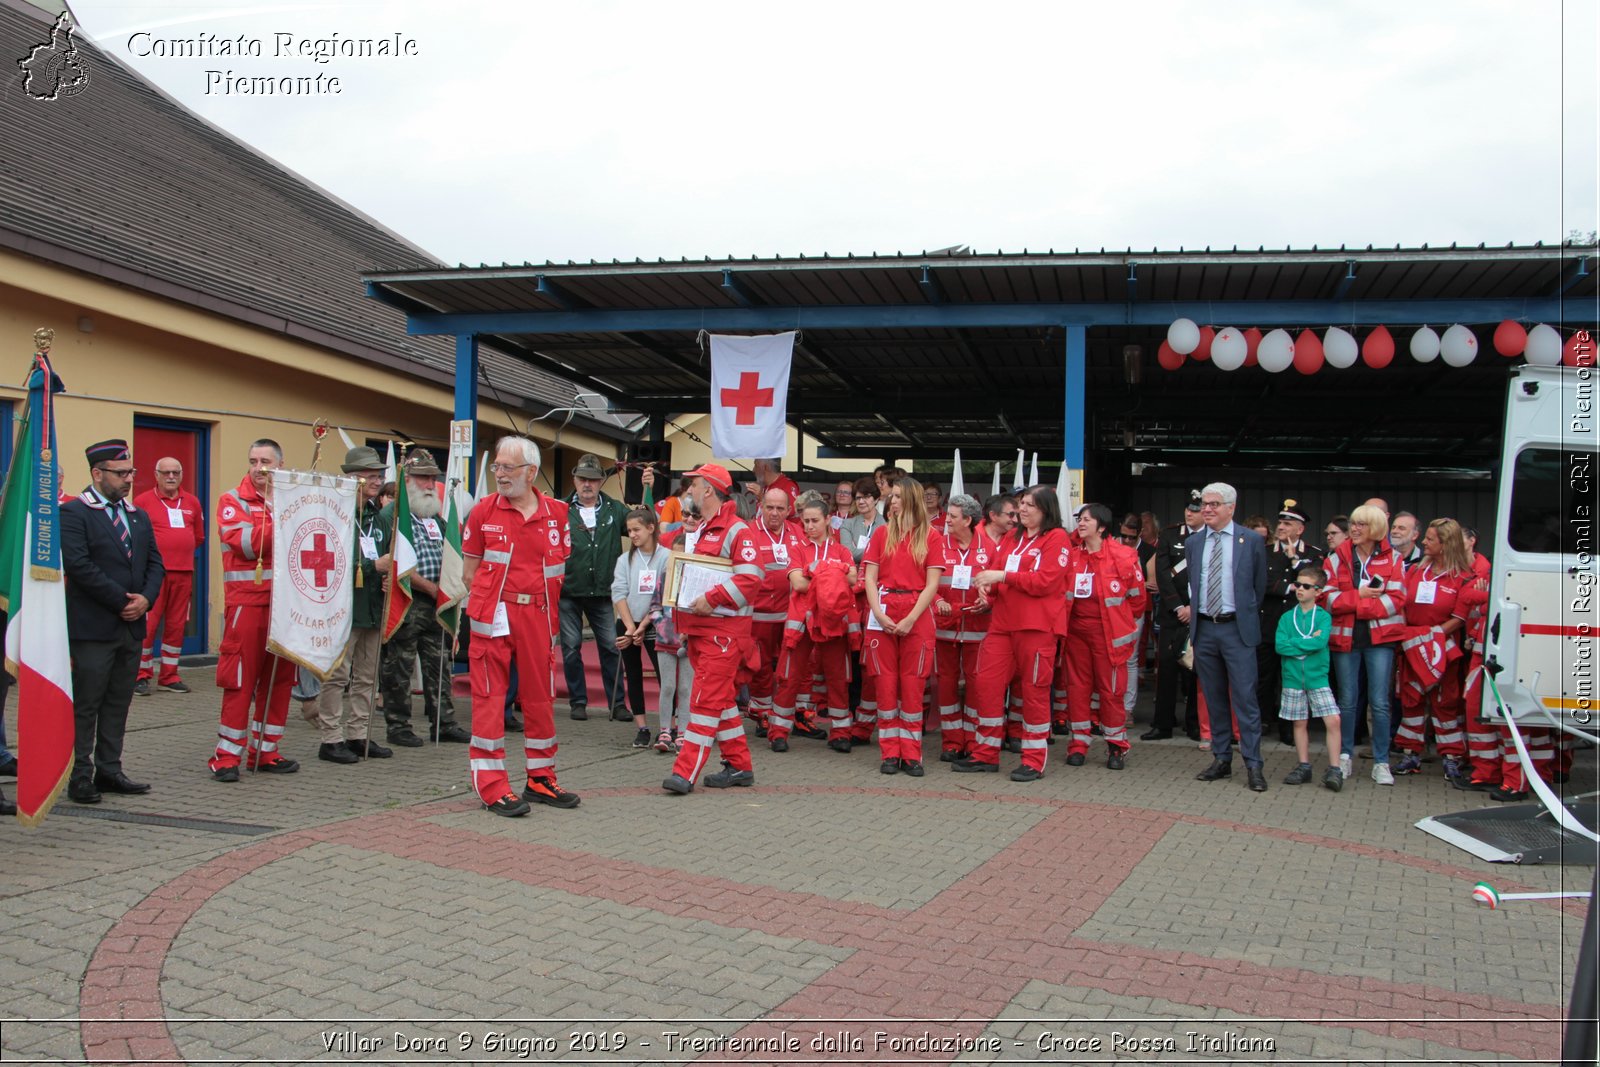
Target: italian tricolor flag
451,590
35,598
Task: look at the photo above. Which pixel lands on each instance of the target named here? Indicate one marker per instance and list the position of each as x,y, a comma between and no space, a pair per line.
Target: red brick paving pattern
964,954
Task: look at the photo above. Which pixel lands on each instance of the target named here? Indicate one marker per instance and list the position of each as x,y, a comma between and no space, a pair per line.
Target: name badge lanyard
1023,547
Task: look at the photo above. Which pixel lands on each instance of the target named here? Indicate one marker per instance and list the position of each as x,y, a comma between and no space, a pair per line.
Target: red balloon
1579,350
1377,351
1252,341
1307,352
1203,351
1510,338
1168,359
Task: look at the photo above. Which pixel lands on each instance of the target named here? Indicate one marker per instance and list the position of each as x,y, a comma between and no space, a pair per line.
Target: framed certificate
690,576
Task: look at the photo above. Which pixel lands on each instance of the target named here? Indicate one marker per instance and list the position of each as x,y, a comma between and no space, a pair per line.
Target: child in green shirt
1302,643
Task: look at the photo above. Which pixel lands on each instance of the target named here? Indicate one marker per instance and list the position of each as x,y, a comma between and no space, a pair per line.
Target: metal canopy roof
911,355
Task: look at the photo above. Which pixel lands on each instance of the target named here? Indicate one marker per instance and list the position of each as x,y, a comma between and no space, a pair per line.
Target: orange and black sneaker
509,805
545,791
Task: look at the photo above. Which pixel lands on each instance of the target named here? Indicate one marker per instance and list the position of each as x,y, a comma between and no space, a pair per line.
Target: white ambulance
1544,605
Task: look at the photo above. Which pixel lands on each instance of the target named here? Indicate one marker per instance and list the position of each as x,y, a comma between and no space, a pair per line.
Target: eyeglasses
507,468
170,474
125,472
1306,585
1212,504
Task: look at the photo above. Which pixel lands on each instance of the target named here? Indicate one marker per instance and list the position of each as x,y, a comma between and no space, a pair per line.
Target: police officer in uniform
1172,581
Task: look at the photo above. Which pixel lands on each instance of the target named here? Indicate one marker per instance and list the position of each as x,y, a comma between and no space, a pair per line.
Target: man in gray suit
1227,580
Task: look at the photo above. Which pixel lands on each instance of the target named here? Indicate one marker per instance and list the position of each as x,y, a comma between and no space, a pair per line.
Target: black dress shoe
453,734
367,748
337,753
579,712
1220,768
82,791
1255,779
7,807
119,783
1155,735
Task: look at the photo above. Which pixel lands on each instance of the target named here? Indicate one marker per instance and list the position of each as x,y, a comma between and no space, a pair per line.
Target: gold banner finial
43,339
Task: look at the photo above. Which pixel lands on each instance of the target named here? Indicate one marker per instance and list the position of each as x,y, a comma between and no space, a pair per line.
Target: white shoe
1205,746
1381,775
1344,765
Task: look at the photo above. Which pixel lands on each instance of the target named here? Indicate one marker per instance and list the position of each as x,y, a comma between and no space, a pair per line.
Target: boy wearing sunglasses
1302,643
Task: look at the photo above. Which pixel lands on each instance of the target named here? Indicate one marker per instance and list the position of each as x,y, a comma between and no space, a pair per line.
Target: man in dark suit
1227,579
113,569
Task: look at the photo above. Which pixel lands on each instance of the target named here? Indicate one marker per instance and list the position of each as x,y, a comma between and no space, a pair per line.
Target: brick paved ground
1127,910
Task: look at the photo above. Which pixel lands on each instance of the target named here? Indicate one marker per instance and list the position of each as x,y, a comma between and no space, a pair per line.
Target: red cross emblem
318,560
747,399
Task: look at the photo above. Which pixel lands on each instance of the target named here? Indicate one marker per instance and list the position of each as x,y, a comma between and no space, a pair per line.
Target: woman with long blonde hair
1434,620
903,562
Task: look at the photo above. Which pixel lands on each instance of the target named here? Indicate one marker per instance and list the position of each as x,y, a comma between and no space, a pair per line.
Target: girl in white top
640,573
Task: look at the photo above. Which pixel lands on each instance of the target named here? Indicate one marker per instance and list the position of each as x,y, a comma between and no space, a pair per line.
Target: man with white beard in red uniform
514,547
717,628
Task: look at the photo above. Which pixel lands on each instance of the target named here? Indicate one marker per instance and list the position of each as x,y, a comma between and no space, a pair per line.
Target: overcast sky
615,128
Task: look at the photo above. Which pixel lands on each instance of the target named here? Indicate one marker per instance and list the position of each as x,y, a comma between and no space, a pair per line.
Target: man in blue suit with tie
1227,580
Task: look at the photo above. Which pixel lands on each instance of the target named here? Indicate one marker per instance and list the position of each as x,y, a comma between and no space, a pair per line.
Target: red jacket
244,525
1031,597
520,557
962,625
826,610
1118,584
774,554
1385,614
725,534
177,544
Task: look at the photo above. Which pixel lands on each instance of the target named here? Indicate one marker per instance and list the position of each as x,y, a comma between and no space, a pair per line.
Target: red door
155,439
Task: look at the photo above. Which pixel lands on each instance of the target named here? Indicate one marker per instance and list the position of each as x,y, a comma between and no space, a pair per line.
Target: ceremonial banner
32,592
750,394
313,567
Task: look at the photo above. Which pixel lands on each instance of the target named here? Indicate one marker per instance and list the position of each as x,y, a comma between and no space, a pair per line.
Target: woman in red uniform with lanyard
903,562
1028,615
1105,587
815,639
1434,621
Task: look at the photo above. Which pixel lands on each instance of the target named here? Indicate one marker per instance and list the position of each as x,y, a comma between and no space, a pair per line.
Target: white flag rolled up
750,394
313,568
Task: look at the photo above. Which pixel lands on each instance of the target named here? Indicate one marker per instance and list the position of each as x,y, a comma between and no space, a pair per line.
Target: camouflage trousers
420,637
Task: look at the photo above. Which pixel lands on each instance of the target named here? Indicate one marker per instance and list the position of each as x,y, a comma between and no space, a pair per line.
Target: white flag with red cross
314,546
750,394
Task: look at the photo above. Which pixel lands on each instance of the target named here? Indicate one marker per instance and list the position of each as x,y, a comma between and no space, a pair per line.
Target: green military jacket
594,554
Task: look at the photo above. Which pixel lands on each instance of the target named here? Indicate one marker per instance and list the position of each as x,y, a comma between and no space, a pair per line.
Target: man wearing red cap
247,673
180,528
717,628
514,548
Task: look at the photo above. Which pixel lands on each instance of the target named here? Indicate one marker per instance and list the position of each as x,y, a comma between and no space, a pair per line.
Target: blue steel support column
1077,375
467,390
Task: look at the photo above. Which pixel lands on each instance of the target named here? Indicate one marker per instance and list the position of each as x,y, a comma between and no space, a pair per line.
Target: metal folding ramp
1520,833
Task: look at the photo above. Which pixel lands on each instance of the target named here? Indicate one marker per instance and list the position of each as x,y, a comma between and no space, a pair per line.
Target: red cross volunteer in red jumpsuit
1432,590
716,626
246,672
777,540
815,638
514,547
1029,614
180,527
1105,590
903,562
961,621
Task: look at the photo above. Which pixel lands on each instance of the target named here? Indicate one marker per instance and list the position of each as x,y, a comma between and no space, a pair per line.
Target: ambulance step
1519,833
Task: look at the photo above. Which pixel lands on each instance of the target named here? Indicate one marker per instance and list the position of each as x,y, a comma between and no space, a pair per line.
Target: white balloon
1276,351
1544,347
1425,345
1340,348
1183,336
1458,347
1228,349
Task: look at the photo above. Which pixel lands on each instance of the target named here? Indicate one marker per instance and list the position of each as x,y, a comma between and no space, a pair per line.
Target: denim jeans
602,623
1379,663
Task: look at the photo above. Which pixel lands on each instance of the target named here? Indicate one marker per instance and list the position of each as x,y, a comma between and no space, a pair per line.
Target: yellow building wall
123,354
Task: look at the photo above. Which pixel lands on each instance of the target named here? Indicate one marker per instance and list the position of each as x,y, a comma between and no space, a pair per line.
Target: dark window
1553,499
